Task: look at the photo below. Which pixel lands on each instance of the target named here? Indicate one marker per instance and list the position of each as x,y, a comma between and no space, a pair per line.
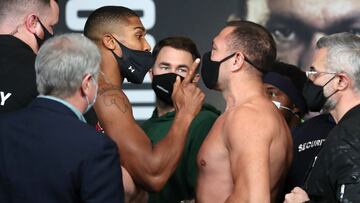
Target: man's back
48,155
247,151
17,74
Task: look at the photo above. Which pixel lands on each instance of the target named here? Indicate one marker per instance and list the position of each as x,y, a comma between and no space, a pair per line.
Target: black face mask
134,64
163,86
314,95
47,35
210,69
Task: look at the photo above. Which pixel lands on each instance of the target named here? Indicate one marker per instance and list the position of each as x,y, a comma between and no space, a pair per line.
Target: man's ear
109,42
85,85
239,61
31,22
343,81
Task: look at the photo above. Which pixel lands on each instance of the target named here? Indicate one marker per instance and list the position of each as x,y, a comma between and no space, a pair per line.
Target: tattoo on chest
112,95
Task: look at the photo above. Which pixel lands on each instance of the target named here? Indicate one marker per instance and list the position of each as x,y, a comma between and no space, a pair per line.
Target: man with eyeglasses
24,26
308,137
335,172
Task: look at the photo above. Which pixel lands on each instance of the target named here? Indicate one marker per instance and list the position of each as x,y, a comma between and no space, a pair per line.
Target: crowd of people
262,148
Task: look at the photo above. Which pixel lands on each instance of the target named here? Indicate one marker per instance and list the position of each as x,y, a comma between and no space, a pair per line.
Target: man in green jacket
173,58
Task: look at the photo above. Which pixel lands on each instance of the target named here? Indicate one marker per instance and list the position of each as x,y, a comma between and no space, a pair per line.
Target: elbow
155,176
155,183
150,176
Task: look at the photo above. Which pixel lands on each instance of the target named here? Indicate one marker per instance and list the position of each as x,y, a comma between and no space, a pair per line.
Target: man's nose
146,45
172,70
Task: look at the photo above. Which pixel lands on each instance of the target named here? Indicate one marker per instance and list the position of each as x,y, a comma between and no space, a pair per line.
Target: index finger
191,72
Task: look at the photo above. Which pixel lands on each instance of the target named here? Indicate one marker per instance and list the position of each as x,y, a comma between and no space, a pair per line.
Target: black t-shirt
308,139
17,74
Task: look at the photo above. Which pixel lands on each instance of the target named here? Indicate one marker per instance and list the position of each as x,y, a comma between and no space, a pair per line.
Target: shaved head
19,8
255,41
106,20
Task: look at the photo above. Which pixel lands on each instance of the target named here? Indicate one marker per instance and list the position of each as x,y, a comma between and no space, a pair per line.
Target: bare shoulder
253,120
112,96
113,108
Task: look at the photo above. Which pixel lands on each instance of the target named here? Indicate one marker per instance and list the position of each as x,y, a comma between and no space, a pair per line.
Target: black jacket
17,74
335,176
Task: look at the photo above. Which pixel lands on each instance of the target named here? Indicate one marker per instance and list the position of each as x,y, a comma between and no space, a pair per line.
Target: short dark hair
181,43
254,41
103,19
12,7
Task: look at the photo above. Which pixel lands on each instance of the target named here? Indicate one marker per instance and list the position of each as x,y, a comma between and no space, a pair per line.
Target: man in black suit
47,151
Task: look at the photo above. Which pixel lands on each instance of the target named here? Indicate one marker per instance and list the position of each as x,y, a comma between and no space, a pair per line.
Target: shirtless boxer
120,37
247,152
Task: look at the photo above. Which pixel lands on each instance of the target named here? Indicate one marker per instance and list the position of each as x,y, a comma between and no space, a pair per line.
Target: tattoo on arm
112,95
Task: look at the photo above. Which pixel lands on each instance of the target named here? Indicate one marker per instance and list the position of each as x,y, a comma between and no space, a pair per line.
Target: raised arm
249,146
149,165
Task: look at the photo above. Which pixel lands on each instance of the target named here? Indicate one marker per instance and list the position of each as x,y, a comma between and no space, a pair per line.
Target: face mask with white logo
133,64
163,86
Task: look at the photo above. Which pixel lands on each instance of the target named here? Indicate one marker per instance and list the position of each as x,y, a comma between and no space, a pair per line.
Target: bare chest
215,182
213,151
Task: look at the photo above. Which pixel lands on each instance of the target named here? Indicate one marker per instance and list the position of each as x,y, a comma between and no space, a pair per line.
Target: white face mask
89,105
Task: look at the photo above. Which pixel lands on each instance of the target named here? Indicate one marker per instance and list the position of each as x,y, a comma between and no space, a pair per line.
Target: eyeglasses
312,73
